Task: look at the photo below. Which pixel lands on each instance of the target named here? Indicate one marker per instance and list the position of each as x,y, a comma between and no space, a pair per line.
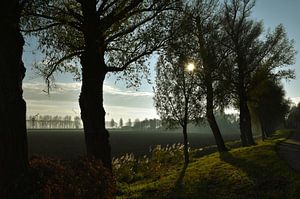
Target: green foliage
127,33
207,44
293,118
250,51
267,102
249,172
129,169
177,94
52,178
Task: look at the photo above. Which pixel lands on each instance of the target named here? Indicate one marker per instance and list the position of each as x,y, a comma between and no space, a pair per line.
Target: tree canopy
250,52
127,33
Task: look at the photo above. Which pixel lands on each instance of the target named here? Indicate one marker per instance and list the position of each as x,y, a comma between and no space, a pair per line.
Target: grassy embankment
249,172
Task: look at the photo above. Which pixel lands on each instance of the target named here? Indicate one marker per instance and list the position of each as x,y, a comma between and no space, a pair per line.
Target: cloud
61,87
296,100
116,91
63,100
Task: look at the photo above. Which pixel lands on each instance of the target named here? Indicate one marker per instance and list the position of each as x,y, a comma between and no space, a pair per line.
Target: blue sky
122,102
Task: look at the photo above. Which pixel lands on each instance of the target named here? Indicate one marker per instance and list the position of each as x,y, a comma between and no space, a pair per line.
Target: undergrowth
247,172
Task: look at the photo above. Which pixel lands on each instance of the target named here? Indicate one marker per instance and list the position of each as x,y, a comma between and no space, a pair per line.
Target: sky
122,102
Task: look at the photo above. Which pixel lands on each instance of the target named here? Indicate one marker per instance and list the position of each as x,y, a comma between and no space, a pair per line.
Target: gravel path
290,150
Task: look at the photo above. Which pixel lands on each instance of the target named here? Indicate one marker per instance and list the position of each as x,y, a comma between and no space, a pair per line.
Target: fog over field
70,143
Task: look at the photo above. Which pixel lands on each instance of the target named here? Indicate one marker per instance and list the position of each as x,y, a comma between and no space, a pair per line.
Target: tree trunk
248,124
13,135
245,122
185,144
211,118
262,127
91,96
245,118
93,117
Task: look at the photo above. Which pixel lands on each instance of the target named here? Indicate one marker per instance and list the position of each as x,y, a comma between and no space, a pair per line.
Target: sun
190,67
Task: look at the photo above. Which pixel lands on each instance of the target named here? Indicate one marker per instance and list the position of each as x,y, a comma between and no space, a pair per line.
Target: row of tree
101,36
293,118
106,36
136,124
218,57
49,121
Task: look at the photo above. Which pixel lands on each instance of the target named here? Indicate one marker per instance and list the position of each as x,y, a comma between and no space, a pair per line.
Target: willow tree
104,36
13,136
251,51
293,118
177,94
267,103
204,19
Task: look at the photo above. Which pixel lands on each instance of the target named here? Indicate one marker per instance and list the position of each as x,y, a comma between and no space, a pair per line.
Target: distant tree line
53,122
228,122
136,124
293,117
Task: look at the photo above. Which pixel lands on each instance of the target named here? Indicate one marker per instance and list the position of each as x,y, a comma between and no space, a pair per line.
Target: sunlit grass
249,172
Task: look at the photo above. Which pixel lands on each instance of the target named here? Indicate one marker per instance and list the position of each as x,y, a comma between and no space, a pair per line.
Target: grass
248,172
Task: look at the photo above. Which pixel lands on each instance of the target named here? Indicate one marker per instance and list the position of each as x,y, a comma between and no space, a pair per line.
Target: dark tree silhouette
251,52
267,103
121,123
176,94
13,137
204,28
293,119
105,36
112,123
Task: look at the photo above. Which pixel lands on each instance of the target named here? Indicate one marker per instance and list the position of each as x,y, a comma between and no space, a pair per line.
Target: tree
67,121
77,122
249,52
137,124
203,19
121,123
153,123
293,118
267,103
112,123
176,93
13,140
105,36
129,123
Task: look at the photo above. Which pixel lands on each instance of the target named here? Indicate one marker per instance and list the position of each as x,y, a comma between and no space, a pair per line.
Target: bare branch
134,59
130,29
60,61
118,14
41,28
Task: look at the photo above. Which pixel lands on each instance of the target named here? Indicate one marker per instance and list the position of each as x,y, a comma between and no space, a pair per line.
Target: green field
69,143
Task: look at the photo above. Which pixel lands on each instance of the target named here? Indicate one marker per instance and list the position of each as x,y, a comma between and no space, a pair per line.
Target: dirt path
290,150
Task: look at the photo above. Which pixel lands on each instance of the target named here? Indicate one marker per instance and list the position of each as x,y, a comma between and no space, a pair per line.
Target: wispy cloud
296,100
63,99
61,87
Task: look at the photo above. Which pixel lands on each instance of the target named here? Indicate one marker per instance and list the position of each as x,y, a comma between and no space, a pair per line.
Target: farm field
69,143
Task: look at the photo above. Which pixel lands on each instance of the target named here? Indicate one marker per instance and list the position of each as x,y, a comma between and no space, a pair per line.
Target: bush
128,169
52,178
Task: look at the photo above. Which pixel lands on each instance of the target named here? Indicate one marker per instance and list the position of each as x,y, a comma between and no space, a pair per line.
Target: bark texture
91,96
186,146
211,118
13,135
245,120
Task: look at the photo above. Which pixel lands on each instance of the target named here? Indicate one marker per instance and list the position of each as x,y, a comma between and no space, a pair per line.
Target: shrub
128,169
81,178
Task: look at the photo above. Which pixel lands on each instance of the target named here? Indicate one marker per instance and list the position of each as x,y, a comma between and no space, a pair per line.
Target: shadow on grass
263,181
178,185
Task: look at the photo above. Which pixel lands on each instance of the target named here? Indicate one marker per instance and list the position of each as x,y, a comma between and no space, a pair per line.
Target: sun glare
190,67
